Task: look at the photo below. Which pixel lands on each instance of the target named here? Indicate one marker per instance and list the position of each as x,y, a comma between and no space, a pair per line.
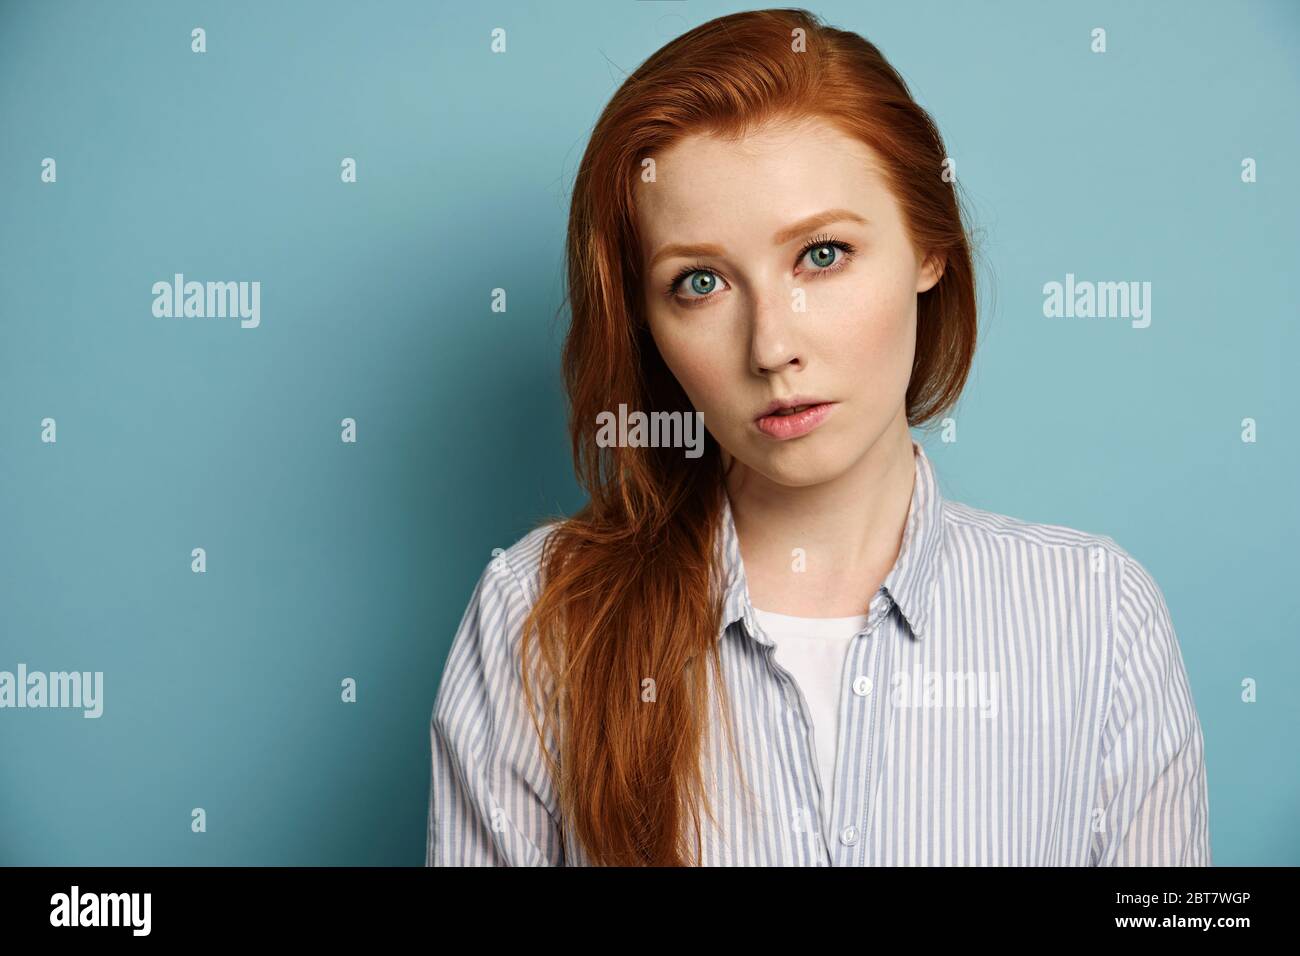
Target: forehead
709,188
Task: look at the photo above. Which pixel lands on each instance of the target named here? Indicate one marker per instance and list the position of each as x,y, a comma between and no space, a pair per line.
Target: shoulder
1042,554
1036,545
990,527
490,628
1072,582
516,570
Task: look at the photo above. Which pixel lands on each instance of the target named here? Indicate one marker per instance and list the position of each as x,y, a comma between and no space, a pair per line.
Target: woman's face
802,284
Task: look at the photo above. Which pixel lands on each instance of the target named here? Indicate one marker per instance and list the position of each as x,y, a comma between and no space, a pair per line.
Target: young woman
791,649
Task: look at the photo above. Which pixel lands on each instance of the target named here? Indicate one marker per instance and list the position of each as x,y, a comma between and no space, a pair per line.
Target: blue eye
824,253
703,282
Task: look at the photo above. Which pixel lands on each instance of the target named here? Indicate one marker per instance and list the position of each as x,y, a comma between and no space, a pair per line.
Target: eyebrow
782,236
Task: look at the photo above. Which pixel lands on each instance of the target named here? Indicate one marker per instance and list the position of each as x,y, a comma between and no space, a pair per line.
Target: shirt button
862,685
849,835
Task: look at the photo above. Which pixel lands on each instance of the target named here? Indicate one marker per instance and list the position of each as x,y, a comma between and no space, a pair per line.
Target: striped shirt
1017,697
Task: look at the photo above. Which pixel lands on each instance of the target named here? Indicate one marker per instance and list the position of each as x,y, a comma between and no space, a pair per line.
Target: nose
774,335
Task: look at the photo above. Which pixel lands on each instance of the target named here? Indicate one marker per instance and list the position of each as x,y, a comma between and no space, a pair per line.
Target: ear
931,272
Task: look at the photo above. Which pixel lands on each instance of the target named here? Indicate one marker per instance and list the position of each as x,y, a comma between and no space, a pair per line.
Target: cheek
697,367
872,327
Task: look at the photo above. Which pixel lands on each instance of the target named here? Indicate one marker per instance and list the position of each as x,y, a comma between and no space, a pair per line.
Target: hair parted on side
630,585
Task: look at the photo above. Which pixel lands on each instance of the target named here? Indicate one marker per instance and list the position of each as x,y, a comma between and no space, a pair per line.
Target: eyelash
824,240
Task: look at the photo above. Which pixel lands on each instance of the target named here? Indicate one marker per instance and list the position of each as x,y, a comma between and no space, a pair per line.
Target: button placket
863,713
794,705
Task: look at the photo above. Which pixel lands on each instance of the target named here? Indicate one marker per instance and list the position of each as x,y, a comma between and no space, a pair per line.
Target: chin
799,467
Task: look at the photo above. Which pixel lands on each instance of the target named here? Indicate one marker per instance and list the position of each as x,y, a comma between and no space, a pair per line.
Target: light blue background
328,560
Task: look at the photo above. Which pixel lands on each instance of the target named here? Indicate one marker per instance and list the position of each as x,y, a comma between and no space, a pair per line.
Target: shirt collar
910,584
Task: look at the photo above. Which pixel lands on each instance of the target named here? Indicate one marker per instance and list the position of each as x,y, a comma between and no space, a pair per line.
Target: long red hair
630,585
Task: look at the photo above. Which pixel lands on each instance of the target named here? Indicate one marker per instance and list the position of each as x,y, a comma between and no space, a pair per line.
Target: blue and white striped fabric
1018,697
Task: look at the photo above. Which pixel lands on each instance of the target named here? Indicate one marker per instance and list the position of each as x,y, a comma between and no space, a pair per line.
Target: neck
850,530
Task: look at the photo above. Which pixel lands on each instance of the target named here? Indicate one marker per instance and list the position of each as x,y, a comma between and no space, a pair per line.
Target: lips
792,418
792,405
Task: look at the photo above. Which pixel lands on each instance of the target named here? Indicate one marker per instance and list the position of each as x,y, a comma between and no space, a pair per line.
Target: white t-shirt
813,649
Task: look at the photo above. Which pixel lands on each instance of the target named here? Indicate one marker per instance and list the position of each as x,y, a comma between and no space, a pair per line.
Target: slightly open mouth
786,423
